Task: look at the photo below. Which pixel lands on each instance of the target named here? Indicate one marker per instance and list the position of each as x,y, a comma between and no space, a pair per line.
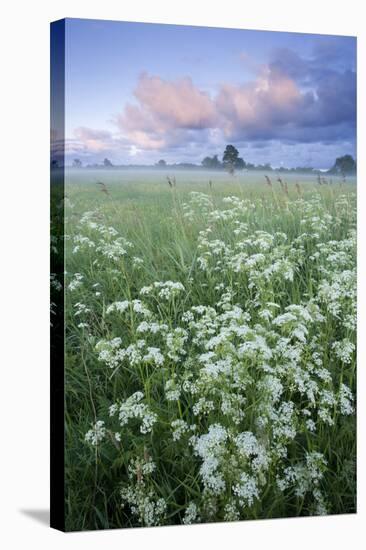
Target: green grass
145,211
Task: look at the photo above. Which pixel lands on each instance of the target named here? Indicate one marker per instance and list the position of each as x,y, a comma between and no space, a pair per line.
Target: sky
137,93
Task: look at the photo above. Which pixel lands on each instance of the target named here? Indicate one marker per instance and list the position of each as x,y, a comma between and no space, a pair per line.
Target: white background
24,234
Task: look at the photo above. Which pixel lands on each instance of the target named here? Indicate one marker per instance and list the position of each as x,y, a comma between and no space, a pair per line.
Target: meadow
210,347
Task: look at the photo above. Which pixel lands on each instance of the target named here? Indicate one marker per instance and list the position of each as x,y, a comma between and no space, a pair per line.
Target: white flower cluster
102,239
306,478
97,433
180,427
344,350
246,490
211,448
141,468
144,504
172,392
81,242
152,327
134,305
113,354
248,375
131,408
346,400
76,281
153,356
114,250
165,290
191,514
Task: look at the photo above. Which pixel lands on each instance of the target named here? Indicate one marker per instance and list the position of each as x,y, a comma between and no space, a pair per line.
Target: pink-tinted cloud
286,100
167,110
270,101
93,140
164,107
177,103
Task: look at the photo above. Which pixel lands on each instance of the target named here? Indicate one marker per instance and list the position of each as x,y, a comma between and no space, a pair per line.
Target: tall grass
234,319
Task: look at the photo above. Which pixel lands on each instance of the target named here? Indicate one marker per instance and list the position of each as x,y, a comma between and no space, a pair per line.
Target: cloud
163,108
93,144
292,99
295,97
261,107
329,78
285,61
178,103
168,113
289,98
92,140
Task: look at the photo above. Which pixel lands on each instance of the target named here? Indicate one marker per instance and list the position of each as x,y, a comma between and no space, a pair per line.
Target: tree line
232,162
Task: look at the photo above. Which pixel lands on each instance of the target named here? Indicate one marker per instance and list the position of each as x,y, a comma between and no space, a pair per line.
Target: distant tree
206,163
231,160
240,164
303,169
230,157
344,165
161,163
212,163
77,163
185,165
264,167
215,162
107,163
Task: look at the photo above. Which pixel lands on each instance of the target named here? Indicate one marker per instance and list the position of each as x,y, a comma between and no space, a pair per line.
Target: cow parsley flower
231,513
96,434
133,408
210,447
203,406
144,504
76,282
154,356
345,400
165,290
191,514
246,489
172,392
344,350
247,443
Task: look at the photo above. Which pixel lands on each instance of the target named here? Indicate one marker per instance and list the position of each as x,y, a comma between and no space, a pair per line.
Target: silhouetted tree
264,167
231,160
107,163
161,163
240,164
77,163
344,165
211,163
